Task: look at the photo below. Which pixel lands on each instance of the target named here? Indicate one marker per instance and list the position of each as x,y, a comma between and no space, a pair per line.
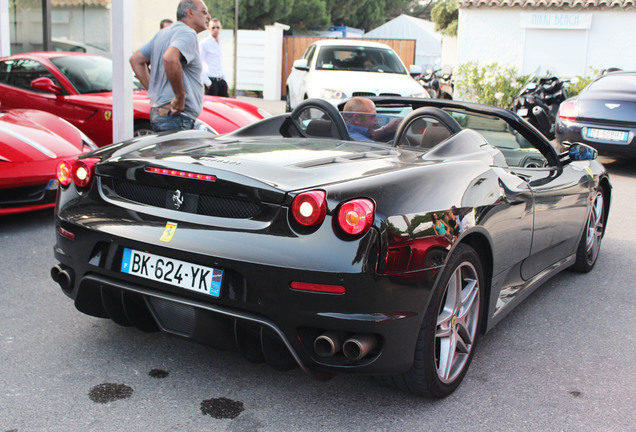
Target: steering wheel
378,67
329,112
438,114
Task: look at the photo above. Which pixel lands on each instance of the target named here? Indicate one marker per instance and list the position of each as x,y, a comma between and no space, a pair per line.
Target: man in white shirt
212,57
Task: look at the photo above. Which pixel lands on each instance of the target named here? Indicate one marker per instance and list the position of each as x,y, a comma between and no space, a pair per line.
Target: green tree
445,15
223,10
308,15
256,14
340,11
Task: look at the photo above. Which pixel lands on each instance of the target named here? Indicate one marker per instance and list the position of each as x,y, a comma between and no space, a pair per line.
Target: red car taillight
309,208
356,216
80,171
568,110
64,171
83,171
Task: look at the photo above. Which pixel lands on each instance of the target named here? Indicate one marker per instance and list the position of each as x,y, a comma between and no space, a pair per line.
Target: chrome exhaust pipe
328,344
55,271
66,279
358,346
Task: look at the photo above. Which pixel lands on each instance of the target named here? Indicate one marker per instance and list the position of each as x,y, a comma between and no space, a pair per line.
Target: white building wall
146,17
488,35
612,40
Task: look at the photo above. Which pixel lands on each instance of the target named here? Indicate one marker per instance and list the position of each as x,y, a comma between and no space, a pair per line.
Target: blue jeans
170,122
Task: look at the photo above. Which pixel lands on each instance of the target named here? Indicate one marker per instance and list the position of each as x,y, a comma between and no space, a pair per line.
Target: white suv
339,69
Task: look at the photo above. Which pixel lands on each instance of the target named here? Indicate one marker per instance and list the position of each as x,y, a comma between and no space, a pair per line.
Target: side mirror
301,64
47,85
577,152
415,70
580,152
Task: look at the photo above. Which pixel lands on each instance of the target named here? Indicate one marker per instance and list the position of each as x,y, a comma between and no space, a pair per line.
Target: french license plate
522,112
607,135
192,277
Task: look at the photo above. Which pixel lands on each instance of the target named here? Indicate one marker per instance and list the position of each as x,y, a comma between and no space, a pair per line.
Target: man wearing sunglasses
169,67
212,57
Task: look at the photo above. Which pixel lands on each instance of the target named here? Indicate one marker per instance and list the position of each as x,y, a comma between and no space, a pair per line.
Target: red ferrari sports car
31,145
78,88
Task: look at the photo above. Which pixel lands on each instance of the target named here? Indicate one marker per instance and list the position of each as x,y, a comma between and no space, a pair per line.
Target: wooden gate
294,47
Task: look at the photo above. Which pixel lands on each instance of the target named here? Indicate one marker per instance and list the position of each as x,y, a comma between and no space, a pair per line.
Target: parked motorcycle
538,103
438,83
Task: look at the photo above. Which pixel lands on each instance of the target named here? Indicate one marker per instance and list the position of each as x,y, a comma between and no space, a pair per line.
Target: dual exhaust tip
64,276
354,347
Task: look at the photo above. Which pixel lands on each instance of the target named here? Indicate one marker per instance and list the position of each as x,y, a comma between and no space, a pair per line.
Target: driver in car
362,122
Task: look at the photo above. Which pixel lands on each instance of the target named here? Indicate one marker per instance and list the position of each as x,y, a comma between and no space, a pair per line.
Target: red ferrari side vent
309,208
313,287
186,174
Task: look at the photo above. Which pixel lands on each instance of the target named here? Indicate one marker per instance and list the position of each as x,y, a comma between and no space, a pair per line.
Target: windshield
89,74
622,83
358,58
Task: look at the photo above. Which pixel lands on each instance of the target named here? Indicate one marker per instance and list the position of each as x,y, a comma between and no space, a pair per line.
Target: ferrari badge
168,232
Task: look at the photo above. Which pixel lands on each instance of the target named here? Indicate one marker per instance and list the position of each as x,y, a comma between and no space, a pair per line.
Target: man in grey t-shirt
173,80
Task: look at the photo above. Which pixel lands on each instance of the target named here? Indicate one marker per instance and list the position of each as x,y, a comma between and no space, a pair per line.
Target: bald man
362,121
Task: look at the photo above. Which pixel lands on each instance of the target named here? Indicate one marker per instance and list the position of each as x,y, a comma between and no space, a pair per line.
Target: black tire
455,336
288,107
143,128
590,243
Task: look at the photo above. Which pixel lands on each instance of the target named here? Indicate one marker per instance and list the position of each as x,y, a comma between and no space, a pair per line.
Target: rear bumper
257,312
575,132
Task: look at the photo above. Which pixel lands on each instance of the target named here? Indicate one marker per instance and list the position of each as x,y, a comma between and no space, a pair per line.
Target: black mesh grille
390,94
203,204
364,94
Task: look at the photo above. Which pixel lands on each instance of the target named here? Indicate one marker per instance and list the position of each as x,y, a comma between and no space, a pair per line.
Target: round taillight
309,208
356,216
568,110
83,170
64,172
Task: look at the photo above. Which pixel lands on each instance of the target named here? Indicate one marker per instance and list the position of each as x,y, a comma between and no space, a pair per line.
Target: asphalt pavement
271,106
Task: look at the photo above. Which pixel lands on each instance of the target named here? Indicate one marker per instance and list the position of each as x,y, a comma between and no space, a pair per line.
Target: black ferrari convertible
296,245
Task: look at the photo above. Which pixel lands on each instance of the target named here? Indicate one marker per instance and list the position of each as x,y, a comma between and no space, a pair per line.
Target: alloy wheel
457,320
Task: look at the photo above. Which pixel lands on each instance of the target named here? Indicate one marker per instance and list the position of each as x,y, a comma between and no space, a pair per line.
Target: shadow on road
619,166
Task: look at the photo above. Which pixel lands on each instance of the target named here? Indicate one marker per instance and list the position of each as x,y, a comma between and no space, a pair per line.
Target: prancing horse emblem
177,199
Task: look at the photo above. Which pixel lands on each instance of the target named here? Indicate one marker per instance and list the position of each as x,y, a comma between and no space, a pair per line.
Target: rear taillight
83,171
64,172
355,217
568,110
79,171
309,208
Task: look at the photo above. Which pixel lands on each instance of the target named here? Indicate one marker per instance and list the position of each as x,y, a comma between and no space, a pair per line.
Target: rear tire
450,329
288,107
143,128
590,243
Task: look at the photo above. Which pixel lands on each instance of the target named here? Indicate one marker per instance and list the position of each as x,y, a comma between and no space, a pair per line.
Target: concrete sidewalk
271,106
